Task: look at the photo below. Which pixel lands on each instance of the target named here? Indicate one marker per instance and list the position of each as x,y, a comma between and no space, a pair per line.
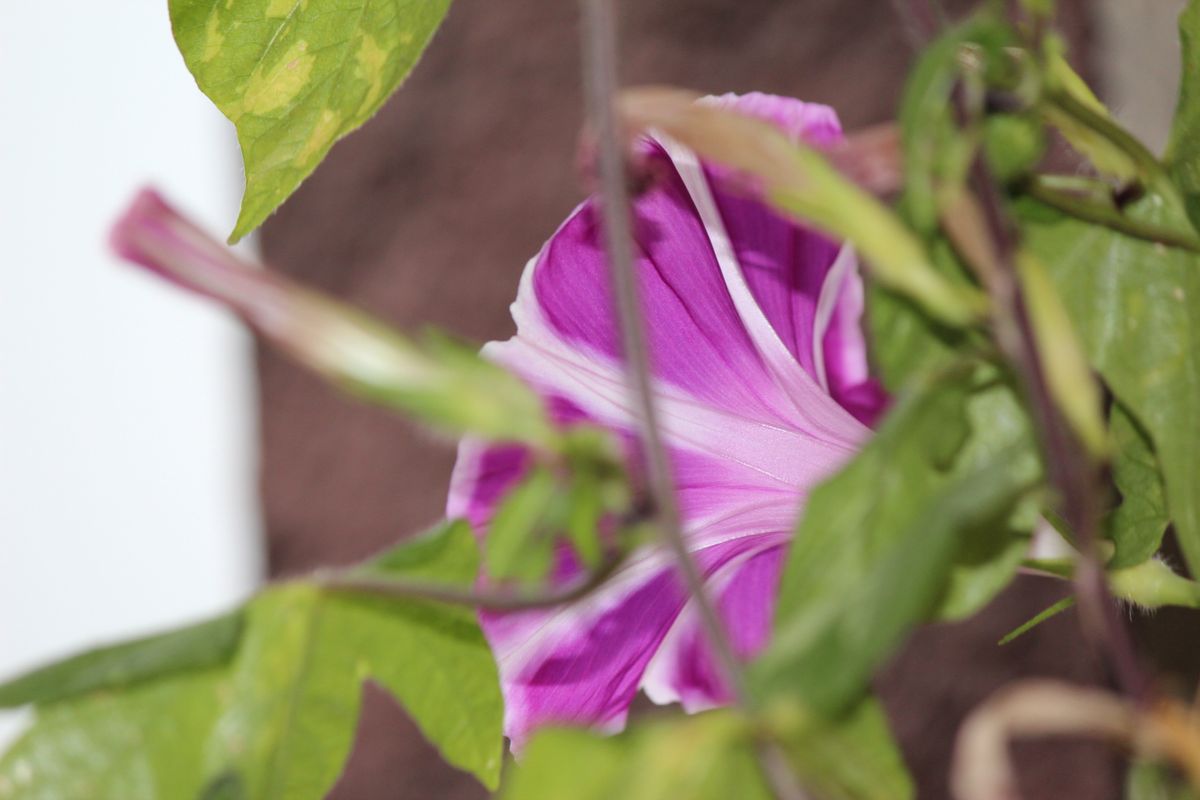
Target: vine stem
600,49
494,600
1109,217
1069,468
600,78
1147,163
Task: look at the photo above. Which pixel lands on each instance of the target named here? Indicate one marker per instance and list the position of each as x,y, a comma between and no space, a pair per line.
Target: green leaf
937,154
711,756
906,342
447,554
297,679
276,721
570,762
294,76
875,547
704,757
851,758
988,554
206,644
519,545
225,787
1060,355
1136,527
144,742
1183,151
985,562
1136,306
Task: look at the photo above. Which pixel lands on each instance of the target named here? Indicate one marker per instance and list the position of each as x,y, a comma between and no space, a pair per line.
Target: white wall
127,489
1137,47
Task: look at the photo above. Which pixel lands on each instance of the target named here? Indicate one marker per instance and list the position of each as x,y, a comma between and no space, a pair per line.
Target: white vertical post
127,487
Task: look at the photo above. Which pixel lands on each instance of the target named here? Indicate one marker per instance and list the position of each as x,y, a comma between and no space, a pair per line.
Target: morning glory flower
760,367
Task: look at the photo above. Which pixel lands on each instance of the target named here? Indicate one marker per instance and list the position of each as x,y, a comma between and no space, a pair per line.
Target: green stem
1109,217
381,585
1096,189
1052,611
1151,584
1145,161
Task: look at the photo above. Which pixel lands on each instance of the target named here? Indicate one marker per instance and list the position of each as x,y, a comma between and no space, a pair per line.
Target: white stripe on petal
812,401
781,457
463,479
831,291
531,648
661,680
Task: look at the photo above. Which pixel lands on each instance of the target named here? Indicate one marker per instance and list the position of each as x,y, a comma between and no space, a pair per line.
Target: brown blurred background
427,216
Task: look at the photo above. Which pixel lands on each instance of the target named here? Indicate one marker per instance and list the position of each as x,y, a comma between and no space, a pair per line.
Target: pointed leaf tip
295,77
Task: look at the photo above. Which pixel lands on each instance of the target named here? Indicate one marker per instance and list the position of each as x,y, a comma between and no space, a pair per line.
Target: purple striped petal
583,664
684,669
761,381
812,123
788,267
696,338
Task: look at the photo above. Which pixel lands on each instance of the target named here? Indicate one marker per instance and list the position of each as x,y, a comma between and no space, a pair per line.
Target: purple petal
807,285
482,475
154,235
707,336
785,266
697,340
583,664
684,669
813,123
762,387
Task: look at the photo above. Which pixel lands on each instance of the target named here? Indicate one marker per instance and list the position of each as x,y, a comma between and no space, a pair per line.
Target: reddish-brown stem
382,585
1070,470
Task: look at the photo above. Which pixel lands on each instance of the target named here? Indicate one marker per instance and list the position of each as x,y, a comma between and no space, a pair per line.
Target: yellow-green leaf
1136,306
297,680
1067,373
144,742
294,76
